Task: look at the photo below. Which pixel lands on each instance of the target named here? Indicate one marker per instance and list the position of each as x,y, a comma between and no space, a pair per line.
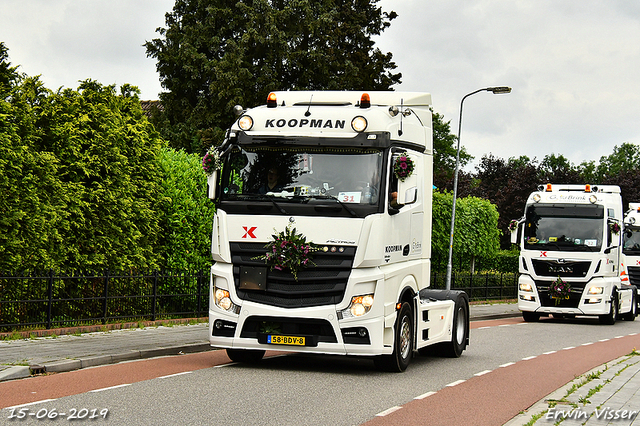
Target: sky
572,65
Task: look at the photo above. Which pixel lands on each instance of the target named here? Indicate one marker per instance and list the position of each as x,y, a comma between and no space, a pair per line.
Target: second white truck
570,241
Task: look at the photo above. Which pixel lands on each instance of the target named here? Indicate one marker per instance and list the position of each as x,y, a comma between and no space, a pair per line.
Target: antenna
308,113
401,116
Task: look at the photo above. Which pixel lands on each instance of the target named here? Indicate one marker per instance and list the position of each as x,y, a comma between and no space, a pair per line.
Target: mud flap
435,310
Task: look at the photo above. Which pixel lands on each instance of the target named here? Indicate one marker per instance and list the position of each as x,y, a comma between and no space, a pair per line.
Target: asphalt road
319,390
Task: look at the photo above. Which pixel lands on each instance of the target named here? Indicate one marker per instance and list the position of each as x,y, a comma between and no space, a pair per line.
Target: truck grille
634,275
321,284
553,268
572,302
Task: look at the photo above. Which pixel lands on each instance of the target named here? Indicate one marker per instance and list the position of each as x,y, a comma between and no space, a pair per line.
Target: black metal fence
50,300
480,286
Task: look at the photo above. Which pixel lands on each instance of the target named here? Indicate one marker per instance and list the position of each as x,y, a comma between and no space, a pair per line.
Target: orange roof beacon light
272,101
549,187
365,101
587,188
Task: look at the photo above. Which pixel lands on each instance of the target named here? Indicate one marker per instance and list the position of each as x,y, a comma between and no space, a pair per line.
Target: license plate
285,340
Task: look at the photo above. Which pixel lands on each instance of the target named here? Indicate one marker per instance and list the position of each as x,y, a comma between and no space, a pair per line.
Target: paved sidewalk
607,395
21,358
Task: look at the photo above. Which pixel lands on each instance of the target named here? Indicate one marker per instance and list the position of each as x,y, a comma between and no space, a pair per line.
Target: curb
21,372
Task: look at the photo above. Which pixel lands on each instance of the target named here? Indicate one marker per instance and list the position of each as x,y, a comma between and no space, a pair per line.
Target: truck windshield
300,174
564,227
631,241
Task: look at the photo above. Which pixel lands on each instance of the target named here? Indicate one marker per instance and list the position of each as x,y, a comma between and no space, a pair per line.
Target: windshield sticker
349,197
591,243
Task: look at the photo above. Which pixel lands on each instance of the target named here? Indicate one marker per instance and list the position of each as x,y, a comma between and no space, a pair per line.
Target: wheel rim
460,325
405,337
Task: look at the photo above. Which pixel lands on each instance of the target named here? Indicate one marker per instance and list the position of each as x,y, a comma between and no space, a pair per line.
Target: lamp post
494,90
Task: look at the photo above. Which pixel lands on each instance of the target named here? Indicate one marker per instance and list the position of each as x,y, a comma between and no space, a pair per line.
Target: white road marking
174,375
424,395
111,387
388,411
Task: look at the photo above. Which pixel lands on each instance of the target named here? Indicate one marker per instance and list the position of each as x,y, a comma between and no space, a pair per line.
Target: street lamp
494,90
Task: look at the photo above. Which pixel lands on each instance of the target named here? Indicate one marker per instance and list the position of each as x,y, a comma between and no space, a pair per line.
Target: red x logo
543,254
248,232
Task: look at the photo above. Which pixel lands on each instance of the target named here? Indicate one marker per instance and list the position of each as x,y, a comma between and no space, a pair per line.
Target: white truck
631,248
351,174
570,241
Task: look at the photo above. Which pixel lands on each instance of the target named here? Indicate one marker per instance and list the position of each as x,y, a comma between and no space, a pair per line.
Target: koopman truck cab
570,241
631,247
322,237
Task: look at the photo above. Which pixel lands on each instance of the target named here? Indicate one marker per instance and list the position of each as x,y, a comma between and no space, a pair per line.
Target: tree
186,214
8,74
624,158
215,54
476,231
507,184
445,151
558,169
78,179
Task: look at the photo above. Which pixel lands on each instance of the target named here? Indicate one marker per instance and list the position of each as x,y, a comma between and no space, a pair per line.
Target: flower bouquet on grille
289,250
559,290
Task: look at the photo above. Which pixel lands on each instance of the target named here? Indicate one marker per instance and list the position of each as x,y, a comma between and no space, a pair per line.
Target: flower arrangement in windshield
211,161
615,227
289,250
403,167
559,290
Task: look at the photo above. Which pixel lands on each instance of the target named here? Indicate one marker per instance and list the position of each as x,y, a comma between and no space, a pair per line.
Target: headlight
223,300
359,306
359,124
596,290
245,122
526,287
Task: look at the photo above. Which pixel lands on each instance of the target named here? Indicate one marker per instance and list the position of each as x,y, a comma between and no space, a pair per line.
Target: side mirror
212,180
515,228
408,190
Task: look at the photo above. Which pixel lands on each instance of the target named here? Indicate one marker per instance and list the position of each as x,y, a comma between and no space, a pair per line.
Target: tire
530,316
245,355
610,318
400,359
631,315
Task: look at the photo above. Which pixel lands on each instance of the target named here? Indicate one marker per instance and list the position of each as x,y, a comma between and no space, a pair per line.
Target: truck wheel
610,318
631,315
399,360
530,316
245,355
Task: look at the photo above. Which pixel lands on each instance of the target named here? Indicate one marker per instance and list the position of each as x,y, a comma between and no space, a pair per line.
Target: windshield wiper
333,197
261,197
272,198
